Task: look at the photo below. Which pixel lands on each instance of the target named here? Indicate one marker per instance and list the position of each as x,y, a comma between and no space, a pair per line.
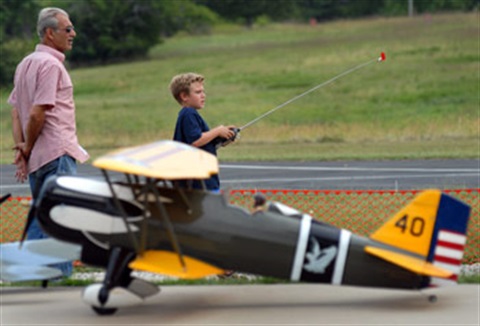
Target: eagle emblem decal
317,259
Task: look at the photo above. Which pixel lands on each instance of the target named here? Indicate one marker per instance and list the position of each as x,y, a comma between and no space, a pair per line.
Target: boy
189,92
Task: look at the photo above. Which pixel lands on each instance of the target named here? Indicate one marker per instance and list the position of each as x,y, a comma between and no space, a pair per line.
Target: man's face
63,35
196,98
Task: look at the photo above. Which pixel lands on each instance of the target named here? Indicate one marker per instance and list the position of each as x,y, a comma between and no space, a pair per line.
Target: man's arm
19,159
16,127
35,124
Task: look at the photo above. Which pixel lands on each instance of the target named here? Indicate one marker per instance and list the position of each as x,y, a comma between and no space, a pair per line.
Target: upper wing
167,159
29,261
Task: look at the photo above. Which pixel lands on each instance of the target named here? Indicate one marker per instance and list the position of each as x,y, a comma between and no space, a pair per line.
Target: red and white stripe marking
448,255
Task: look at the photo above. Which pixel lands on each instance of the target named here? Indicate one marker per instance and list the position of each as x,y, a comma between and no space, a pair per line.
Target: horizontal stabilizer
410,263
168,263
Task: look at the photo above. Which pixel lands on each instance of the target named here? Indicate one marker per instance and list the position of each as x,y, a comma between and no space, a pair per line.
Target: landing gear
118,289
117,274
104,311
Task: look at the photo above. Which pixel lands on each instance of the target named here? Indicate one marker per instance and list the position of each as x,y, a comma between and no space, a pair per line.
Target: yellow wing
166,262
167,159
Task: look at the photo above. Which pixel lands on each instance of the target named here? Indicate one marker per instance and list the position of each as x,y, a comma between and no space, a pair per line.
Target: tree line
118,30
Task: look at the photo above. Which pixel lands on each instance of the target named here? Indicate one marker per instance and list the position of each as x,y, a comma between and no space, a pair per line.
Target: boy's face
196,98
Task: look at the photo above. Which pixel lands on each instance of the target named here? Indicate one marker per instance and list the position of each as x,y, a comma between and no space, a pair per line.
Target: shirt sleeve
12,99
192,130
47,85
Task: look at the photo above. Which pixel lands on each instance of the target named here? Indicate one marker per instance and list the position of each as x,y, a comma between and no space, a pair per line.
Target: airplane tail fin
433,226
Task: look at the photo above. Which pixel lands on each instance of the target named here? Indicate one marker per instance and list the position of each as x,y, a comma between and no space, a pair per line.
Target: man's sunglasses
67,30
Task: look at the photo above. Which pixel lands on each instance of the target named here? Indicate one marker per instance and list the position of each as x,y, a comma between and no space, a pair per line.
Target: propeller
4,198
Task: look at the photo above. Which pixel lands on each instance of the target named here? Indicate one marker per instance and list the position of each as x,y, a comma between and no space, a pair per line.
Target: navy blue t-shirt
190,126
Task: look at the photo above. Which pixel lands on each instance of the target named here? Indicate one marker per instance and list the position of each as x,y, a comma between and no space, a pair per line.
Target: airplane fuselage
278,242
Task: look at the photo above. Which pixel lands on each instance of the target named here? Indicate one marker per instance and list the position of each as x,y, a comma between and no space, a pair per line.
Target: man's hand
20,161
21,148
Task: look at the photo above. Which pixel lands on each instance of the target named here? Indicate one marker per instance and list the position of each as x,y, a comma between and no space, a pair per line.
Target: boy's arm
220,131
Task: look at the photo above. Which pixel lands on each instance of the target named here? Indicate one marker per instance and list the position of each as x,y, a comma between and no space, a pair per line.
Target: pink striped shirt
41,79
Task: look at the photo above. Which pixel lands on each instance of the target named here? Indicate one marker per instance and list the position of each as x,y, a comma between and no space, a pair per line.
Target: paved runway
285,304
352,175
280,304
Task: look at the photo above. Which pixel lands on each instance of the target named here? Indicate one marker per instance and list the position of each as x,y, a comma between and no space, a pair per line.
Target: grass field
422,102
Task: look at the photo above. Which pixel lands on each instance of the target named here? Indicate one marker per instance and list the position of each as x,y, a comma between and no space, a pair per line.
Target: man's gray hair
47,19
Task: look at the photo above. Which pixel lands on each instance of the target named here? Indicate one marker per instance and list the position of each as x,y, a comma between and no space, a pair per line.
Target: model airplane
149,222
30,260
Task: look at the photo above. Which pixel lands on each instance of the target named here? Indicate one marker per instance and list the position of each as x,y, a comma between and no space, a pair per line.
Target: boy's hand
226,132
227,135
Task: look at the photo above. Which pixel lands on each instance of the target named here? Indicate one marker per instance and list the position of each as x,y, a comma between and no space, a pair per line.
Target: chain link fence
361,211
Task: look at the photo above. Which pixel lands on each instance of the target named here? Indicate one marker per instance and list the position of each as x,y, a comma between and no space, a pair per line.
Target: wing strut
122,211
150,187
185,200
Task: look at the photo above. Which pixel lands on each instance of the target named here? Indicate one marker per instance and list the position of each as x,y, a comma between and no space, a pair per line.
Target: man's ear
49,33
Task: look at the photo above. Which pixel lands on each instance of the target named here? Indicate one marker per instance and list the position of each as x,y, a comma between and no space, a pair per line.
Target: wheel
432,298
104,311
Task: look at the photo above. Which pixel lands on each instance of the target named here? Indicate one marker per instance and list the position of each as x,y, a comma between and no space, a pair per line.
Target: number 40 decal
414,226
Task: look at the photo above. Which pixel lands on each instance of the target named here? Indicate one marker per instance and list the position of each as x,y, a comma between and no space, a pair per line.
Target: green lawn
422,102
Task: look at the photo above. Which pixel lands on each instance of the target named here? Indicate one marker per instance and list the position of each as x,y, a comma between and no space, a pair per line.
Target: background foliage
113,31
422,102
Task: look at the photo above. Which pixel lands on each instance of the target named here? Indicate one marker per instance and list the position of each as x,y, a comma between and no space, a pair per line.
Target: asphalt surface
280,304
352,175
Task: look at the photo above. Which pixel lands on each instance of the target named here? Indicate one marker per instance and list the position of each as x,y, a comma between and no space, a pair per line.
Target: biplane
150,220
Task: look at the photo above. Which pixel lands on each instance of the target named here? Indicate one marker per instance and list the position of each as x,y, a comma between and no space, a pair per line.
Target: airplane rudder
450,236
453,214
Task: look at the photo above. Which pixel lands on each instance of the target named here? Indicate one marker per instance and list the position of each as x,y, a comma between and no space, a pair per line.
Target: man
43,114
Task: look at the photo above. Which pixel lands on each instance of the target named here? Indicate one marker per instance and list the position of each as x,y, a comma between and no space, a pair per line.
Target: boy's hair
181,84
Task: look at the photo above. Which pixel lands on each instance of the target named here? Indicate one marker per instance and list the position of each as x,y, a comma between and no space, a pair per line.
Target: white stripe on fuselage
88,220
303,234
339,267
